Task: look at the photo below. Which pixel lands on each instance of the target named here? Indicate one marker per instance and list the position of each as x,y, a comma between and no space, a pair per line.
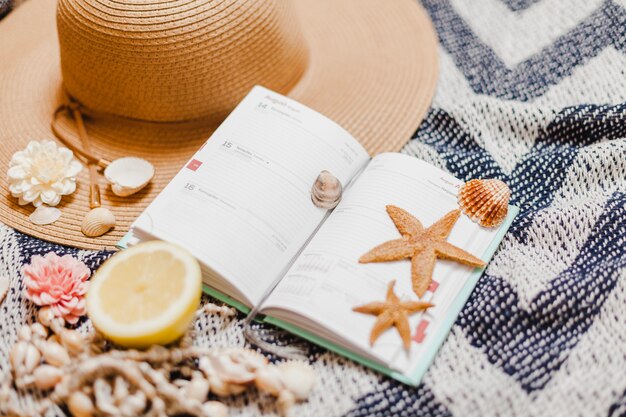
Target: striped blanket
532,92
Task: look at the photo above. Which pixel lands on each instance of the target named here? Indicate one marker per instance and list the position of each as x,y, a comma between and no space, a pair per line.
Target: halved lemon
145,295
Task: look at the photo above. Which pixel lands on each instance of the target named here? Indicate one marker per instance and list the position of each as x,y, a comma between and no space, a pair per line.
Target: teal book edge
437,339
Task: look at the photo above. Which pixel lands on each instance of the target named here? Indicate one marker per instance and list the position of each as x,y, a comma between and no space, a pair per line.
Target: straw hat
155,78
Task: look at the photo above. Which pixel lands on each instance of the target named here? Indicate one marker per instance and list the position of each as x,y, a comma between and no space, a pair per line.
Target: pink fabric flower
59,282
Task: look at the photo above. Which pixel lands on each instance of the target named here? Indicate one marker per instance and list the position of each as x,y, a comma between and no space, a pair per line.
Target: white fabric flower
42,173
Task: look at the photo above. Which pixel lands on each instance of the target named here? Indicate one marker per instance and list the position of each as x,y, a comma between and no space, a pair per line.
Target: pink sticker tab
194,164
433,286
420,331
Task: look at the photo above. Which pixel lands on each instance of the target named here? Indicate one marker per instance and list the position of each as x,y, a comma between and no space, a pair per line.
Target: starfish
422,246
392,312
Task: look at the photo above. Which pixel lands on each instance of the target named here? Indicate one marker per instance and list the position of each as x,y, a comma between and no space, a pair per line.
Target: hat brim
372,68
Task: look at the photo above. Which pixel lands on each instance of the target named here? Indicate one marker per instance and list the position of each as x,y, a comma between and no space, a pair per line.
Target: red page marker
420,331
433,286
194,164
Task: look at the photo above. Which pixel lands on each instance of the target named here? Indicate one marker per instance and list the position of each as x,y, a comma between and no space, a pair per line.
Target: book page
242,204
326,282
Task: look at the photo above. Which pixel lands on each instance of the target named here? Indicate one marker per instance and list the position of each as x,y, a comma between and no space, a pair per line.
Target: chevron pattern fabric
532,92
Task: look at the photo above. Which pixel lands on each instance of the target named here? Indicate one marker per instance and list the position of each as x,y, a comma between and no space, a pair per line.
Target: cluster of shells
91,378
127,176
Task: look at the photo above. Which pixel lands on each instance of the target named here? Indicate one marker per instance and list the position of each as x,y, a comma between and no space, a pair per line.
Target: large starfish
422,246
392,312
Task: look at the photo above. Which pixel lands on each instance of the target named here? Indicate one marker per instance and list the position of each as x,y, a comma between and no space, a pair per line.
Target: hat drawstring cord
73,109
92,162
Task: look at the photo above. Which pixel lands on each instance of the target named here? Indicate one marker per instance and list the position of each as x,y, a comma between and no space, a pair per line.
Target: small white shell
218,386
55,354
286,400
97,222
297,377
250,358
198,388
72,341
215,409
128,175
38,331
17,356
32,359
326,191
268,379
80,404
24,334
45,315
4,287
47,376
226,366
44,215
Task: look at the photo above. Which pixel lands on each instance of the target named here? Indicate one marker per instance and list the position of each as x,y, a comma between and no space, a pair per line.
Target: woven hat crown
176,60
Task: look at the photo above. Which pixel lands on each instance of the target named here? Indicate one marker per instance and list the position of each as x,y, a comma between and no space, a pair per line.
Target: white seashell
198,387
218,386
251,358
4,287
297,377
215,409
47,376
231,371
55,354
72,341
17,356
286,400
32,358
97,222
44,215
24,333
80,405
229,366
45,316
128,175
485,202
268,379
38,331
326,191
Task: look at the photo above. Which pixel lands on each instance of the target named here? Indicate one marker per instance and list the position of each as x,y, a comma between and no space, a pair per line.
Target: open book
242,207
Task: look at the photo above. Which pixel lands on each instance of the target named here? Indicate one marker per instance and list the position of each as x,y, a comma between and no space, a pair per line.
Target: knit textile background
532,92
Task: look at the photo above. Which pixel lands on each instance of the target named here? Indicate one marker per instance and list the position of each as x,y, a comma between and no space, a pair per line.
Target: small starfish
392,312
422,246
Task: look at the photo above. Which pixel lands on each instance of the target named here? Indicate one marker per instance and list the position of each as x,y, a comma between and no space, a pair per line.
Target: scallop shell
128,175
44,215
97,222
326,191
485,201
